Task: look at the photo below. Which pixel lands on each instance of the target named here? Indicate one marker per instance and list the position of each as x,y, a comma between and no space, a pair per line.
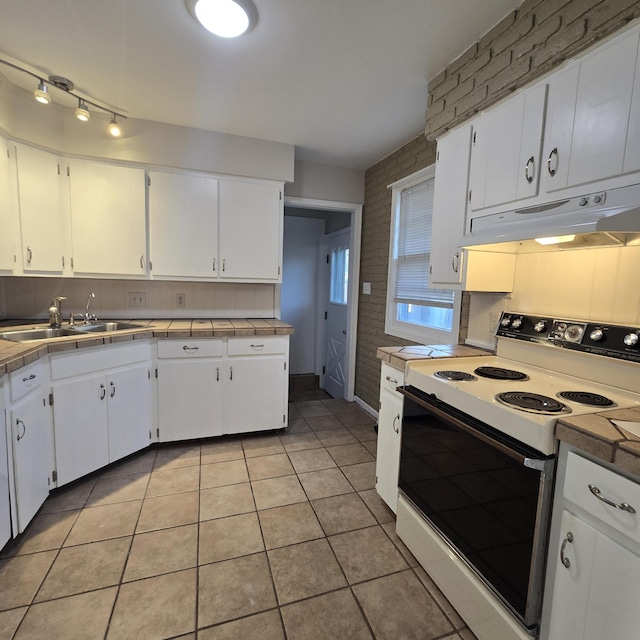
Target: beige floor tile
180,480
175,456
297,426
325,483
357,419
46,531
304,570
277,492
220,474
312,410
336,437
69,499
20,578
294,412
226,501
234,588
364,433
332,615
288,525
390,530
114,489
104,522
269,467
323,422
162,551
155,608
221,451
262,626
67,617
467,634
409,612
169,511
262,446
349,454
371,446
454,617
231,537
141,463
86,567
362,476
339,407
377,506
342,513
300,442
9,621
366,553
312,460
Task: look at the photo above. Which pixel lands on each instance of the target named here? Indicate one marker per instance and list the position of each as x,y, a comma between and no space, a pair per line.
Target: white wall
302,239
326,182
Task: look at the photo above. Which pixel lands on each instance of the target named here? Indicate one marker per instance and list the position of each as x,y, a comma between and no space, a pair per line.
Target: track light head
82,111
114,127
41,94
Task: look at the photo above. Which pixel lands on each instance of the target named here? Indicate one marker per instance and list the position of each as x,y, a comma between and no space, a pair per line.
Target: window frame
393,326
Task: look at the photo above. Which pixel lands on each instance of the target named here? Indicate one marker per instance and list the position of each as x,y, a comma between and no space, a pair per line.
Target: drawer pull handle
188,348
113,390
565,561
390,379
552,156
103,392
622,505
257,346
394,423
529,175
24,429
31,377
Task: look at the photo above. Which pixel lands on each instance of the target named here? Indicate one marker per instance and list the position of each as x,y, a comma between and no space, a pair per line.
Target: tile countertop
399,356
14,355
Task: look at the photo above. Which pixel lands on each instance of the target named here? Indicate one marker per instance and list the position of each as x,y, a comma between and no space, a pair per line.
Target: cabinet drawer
25,380
256,345
390,378
190,348
612,487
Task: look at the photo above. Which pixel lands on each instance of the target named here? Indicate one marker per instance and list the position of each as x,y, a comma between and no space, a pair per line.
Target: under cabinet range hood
601,218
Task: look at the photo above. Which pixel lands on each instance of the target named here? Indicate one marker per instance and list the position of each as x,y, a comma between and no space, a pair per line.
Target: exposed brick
558,46
437,80
549,8
449,84
498,30
606,10
537,37
520,28
472,101
442,119
496,65
529,5
435,108
460,61
462,90
473,66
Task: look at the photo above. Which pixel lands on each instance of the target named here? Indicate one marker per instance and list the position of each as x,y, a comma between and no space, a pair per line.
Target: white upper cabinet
632,151
183,225
505,155
108,219
250,230
7,214
42,181
588,117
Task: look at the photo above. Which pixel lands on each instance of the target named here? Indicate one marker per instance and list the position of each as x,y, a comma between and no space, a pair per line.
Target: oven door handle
496,444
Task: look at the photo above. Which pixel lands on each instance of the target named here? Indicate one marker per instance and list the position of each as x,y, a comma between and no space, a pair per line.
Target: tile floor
267,537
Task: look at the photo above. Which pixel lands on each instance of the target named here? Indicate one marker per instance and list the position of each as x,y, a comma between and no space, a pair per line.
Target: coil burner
532,402
498,373
586,397
455,375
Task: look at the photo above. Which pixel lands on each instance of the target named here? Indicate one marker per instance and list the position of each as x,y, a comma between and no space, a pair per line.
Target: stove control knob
517,323
631,339
596,335
540,326
506,321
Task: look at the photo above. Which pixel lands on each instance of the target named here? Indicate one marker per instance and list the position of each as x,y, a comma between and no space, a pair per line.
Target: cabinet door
388,456
107,219
5,507
255,394
32,460
449,206
190,399
632,150
130,411
183,225
80,427
7,214
250,230
42,224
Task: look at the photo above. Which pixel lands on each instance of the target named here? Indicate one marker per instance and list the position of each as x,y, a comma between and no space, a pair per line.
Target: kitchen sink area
32,334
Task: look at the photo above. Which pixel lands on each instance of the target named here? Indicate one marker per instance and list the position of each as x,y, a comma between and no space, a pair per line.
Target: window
414,310
339,275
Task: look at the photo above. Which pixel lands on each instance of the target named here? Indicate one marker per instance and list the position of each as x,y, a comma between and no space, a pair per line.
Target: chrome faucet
55,312
88,317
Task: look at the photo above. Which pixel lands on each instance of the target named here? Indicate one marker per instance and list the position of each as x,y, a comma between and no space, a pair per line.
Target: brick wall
527,43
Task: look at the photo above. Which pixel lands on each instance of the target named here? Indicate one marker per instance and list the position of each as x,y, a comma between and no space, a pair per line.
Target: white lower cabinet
389,430
5,505
102,407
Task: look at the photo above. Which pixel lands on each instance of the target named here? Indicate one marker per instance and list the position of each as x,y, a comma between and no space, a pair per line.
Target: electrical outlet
137,299
366,288
180,299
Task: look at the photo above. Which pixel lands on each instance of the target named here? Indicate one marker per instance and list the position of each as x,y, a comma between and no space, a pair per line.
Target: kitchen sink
104,327
36,333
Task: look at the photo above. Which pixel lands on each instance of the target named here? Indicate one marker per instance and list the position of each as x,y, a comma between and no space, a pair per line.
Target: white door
335,374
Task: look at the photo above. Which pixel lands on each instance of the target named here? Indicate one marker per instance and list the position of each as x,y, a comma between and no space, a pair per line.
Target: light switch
366,288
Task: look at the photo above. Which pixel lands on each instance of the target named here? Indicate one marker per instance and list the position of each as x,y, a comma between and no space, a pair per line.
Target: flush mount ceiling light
42,95
224,18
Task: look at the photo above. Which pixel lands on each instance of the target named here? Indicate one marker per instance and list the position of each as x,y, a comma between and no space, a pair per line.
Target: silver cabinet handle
113,389
29,255
214,264
230,373
188,348
24,429
31,377
257,347
390,379
621,505
552,155
142,261
217,374
565,561
530,163
455,262
103,392
223,263
396,429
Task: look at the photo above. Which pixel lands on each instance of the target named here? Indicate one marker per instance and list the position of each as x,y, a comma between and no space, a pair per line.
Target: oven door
486,494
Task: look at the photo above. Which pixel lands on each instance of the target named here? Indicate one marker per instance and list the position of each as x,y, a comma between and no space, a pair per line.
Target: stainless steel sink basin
36,333
104,327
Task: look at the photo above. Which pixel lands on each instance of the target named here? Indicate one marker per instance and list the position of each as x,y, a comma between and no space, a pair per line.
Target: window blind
413,249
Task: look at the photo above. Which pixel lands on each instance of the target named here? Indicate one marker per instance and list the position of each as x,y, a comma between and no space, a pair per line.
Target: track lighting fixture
82,111
42,95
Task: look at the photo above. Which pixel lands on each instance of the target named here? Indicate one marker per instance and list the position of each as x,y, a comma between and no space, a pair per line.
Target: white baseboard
365,406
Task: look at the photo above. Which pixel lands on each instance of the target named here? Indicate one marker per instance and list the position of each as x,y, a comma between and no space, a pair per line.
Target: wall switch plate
137,298
366,288
180,299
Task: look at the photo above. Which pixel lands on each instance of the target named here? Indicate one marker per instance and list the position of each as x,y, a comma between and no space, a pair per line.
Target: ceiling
343,80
